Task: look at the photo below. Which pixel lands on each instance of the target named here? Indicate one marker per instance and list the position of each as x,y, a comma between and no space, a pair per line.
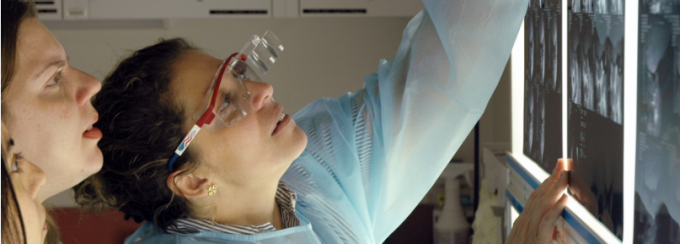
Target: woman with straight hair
23,216
197,146
46,104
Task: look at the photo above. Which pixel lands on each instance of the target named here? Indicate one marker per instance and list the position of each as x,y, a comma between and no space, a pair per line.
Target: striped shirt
285,198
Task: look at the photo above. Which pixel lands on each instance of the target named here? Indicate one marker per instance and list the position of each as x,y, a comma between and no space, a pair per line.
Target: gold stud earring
212,190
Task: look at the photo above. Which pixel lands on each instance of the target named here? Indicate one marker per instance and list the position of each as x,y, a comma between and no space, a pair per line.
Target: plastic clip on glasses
228,101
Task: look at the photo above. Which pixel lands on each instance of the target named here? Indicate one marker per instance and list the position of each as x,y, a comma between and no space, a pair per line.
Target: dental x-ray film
657,180
595,107
543,83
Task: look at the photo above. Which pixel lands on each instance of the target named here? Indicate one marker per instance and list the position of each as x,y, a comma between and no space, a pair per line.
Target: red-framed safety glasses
228,101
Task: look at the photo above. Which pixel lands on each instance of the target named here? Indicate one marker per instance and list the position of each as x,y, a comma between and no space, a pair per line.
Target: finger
547,183
547,226
553,194
544,203
538,193
543,187
558,167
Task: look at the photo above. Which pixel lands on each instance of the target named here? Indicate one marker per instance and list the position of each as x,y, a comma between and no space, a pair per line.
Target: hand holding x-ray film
536,224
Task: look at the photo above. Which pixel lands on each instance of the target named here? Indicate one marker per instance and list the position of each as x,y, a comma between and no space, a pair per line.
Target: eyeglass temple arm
208,116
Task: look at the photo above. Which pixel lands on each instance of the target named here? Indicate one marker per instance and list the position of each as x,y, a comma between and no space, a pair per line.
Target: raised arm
422,104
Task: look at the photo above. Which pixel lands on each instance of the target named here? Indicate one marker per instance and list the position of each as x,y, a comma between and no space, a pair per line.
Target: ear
189,185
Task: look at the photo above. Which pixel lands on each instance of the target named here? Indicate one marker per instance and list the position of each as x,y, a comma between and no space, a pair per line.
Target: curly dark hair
142,126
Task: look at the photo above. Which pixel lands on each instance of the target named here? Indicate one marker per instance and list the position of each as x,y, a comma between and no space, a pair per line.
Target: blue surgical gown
373,154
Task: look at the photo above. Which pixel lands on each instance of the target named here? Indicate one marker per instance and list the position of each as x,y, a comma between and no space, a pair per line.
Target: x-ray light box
599,82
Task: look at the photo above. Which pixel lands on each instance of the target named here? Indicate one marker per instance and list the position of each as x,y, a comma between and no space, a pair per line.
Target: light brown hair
14,12
12,221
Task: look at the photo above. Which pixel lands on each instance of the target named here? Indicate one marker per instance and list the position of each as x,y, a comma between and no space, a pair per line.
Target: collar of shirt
285,197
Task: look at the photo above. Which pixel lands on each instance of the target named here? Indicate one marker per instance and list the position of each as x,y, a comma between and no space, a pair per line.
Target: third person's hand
536,224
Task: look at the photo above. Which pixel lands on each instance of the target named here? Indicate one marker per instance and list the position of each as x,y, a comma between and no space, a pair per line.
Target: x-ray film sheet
657,180
543,83
595,107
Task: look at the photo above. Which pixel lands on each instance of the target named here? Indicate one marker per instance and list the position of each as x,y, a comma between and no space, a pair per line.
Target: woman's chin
97,162
93,163
296,150
301,141
297,146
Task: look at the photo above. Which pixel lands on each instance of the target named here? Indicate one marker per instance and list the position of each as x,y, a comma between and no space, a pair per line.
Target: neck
243,205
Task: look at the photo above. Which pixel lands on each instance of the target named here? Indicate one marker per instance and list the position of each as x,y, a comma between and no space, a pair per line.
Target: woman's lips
93,133
282,124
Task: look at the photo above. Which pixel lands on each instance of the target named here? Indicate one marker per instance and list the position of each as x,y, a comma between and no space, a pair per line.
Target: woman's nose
87,86
36,179
260,92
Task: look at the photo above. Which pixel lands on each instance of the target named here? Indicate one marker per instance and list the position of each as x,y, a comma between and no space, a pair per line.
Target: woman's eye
240,68
55,80
226,101
15,164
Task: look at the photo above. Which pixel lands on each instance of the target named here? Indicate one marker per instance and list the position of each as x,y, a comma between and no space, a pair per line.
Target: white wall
323,57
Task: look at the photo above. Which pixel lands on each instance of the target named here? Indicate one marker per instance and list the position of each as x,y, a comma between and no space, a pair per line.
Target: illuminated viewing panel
599,82
595,108
543,83
657,180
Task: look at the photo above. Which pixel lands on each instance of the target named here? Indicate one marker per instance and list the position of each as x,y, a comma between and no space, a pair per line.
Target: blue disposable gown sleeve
412,115
424,102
